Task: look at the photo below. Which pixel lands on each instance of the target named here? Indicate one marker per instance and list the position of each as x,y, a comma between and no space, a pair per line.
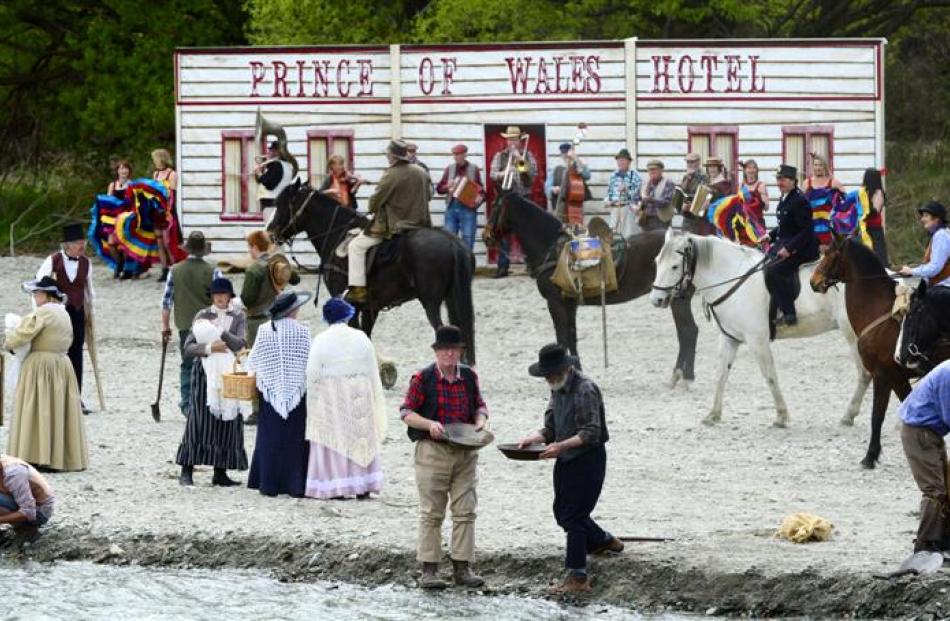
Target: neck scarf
279,359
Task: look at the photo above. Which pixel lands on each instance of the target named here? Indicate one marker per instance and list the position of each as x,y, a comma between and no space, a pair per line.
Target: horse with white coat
731,284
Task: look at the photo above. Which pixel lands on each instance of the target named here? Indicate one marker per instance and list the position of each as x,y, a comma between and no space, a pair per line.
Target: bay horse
540,231
869,294
430,265
731,282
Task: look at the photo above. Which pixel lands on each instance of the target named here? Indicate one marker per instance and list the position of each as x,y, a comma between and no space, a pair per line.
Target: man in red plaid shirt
442,393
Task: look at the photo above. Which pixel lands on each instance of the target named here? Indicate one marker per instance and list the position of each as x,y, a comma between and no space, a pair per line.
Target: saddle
585,264
379,256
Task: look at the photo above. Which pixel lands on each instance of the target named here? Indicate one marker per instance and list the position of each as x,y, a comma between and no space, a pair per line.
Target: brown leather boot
430,577
572,585
463,576
611,545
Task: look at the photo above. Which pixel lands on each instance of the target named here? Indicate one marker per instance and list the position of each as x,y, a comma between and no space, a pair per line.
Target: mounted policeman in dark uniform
793,244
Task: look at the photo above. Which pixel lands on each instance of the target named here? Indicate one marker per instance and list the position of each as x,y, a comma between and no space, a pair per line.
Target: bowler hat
286,303
786,171
459,148
399,149
196,244
447,337
552,358
73,232
935,209
623,154
564,147
221,285
46,284
337,310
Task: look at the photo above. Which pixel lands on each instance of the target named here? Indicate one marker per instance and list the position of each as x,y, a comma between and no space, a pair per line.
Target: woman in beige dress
47,429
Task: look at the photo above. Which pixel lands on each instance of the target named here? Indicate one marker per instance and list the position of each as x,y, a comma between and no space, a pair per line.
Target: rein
877,322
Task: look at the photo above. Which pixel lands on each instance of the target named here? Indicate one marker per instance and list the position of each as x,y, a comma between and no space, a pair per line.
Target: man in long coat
399,204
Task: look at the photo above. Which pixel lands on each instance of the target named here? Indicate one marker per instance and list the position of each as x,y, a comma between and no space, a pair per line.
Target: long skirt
279,465
48,429
332,475
210,441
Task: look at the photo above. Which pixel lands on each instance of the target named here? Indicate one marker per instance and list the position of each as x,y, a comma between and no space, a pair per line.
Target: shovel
156,413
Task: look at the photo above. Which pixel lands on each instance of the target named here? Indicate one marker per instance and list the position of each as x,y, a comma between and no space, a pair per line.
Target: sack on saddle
584,263
804,527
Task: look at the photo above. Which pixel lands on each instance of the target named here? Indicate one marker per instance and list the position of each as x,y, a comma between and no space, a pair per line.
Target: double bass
574,186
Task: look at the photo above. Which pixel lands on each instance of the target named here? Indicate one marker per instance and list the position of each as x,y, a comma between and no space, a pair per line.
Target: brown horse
869,297
540,231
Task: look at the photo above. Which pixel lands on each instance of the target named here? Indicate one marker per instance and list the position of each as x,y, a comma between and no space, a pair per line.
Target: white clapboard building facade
771,100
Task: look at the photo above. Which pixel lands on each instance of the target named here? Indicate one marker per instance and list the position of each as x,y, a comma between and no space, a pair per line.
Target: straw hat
513,131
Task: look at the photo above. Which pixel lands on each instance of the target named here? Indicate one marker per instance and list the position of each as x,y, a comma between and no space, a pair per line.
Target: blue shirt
618,179
939,255
928,405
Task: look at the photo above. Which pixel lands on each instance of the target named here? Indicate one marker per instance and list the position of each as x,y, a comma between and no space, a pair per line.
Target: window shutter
232,175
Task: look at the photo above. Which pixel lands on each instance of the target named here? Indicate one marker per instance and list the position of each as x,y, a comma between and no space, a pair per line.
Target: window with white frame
238,186
800,142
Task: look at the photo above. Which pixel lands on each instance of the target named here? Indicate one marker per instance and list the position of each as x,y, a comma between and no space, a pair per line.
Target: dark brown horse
430,265
539,231
869,298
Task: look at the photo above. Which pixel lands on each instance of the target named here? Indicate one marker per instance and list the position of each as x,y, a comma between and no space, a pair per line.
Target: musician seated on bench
399,204
936,272
794,244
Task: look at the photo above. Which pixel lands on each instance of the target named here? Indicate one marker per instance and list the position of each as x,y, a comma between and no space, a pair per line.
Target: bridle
499,215
688,264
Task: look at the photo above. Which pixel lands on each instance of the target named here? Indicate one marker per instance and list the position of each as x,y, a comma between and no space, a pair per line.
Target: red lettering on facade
366,77
577,74
280,79
449,65
300,82
685,74
341,67
321,78
661,74
593,74
558,61
518,71
754,75
733,79
542,86
426,76
710,64
258,73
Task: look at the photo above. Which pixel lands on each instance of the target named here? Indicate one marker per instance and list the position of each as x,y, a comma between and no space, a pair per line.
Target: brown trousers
444,471
926,453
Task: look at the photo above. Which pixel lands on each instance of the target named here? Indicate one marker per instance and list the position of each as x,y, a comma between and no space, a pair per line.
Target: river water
36,592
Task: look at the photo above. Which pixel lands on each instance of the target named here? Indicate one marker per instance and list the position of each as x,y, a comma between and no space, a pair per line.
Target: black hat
196,244
446,337
46,284
564,147
789,172
935,209
623,153
551,359
221,285
73,232
286,303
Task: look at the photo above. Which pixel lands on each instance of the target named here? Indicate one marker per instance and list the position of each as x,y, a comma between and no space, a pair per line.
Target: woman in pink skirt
347,411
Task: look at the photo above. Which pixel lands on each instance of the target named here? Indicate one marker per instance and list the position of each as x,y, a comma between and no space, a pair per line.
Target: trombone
521,167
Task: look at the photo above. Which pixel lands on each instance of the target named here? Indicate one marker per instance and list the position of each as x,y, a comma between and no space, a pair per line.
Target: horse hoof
847,421
687,384
710,421
780,424
677,376
868,464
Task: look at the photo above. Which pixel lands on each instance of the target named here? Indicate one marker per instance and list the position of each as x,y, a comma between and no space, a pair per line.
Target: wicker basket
239,385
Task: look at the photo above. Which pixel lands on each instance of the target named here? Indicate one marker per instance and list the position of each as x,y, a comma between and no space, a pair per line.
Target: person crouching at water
214,431
26,499
279,359
445,392
926,420
575,431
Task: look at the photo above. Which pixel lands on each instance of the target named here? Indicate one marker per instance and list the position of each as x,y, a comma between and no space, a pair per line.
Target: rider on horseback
399,204
793,242
936,272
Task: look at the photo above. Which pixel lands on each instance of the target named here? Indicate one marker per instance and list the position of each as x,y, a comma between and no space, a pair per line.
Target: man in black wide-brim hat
575,432
72,272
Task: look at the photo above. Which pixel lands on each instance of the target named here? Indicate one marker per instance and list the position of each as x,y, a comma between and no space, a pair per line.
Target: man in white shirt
72,272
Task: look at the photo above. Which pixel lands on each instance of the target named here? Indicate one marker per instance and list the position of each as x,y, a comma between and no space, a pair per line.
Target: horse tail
461,310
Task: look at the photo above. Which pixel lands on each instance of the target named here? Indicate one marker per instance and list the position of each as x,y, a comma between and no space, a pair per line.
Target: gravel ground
720,492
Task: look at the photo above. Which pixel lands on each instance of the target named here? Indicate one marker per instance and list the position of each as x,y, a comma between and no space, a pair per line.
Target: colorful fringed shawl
737,217
822,201
137,230
849,216
105,210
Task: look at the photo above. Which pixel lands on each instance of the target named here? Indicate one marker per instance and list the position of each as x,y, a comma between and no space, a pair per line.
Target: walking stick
94,358
156,413
603,311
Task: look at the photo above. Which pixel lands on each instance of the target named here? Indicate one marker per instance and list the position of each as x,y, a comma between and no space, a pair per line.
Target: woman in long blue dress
279,360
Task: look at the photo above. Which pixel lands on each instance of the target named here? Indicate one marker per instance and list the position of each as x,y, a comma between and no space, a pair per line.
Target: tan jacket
401,201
